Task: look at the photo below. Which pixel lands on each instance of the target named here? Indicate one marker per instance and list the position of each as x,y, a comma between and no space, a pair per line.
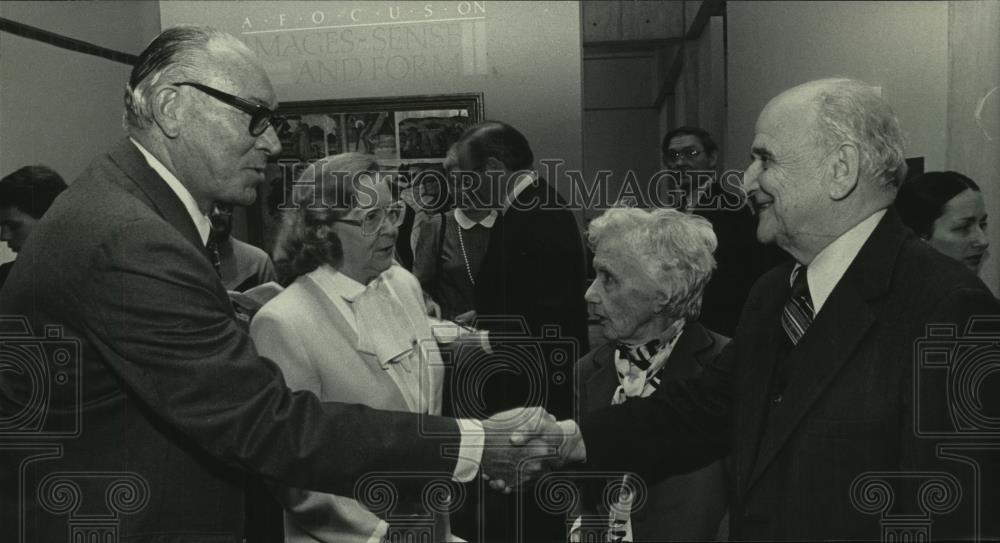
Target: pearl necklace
465,255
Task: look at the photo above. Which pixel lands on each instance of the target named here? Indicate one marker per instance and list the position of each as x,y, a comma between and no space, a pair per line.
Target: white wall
900,46
621,128
59,107
974,110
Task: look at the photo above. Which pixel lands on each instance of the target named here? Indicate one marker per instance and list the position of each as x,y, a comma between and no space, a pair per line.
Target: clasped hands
524,443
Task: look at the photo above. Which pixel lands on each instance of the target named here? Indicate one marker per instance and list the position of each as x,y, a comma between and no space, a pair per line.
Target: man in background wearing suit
652,267
692,154
170,408
819,389
531,268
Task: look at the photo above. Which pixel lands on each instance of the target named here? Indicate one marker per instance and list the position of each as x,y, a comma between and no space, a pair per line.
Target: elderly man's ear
845,170
167,110
660,303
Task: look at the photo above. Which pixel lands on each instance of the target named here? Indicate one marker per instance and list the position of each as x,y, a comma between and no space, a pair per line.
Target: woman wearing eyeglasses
352,328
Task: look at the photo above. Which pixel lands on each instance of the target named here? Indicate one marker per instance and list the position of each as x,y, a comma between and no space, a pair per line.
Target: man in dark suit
528,293
533,268
149,433
818,395
691,153
652,267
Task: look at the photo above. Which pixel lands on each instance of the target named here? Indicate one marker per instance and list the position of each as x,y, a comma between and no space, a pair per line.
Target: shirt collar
201,221
335,284
832,262
466,223
523,182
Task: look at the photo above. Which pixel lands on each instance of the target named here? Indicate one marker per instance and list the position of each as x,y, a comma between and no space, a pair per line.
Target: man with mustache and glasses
172,409
836,429
690,154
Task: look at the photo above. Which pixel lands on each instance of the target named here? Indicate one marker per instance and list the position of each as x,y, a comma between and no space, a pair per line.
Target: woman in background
946,210
351,328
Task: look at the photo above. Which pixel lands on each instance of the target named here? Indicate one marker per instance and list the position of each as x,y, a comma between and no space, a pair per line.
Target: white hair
673,247
849,110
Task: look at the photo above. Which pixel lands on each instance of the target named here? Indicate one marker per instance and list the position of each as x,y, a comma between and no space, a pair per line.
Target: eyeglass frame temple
246,106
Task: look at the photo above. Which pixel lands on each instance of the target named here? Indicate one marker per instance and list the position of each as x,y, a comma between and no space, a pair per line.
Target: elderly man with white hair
652,268
850,373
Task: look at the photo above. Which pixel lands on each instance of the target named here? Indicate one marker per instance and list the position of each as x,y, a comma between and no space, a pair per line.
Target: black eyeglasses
691,154
261,117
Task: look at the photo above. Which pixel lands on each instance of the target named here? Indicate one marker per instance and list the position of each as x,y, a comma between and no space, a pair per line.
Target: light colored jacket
305,332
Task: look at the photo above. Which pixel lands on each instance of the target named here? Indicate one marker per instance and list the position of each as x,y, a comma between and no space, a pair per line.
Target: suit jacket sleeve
558,297
684,427
426,254
546,278
161,322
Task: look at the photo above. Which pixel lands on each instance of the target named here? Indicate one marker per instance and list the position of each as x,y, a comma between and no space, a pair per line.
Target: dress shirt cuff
572,448
446,332
574,530
471,446
381,531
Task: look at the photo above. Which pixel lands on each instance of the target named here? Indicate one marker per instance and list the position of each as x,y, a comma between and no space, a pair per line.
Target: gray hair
673,247
849,110
324,192
180,51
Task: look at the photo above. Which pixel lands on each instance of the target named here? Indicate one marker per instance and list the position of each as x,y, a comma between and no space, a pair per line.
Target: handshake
524,443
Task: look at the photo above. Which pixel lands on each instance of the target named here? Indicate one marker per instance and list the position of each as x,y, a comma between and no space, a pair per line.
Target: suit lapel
154,191
819,356
501,250
834,336
689,352
602,383
761,363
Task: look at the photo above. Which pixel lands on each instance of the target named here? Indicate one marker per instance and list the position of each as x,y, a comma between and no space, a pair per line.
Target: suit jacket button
776,398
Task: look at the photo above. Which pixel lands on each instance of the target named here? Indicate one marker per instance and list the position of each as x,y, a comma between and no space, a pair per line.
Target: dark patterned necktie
798,312
212,247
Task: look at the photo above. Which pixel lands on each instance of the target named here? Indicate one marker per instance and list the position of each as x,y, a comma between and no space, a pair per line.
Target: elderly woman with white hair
352,328
652,267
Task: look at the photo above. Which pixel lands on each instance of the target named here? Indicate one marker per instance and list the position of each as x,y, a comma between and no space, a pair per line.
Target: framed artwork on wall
394,129
406,133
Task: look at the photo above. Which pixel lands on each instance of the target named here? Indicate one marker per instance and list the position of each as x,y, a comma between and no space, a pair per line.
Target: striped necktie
798,312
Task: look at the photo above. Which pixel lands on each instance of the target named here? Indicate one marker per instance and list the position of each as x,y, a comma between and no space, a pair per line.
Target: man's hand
521,444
